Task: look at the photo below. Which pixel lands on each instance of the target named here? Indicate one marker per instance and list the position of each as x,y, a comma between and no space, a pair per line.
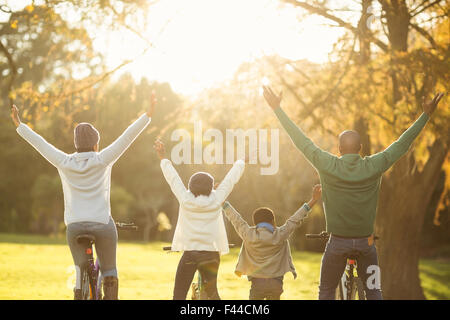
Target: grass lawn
33,267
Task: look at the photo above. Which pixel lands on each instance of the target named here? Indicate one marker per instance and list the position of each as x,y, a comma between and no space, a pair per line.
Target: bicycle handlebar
126,226
322,235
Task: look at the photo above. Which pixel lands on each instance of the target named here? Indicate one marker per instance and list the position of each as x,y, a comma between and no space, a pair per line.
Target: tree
47,205
415,56
40,52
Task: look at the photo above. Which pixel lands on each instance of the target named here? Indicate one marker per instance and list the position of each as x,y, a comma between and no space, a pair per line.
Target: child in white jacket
200,232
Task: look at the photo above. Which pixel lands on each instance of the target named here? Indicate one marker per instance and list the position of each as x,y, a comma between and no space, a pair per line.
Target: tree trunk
362,127
397,17
404,197
363,32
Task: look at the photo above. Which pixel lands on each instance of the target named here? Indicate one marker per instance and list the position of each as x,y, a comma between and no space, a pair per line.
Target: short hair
264,215
350,141
86,137
201,184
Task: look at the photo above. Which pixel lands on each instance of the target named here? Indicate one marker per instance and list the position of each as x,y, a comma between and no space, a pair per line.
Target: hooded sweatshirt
85,176
265,253
200,225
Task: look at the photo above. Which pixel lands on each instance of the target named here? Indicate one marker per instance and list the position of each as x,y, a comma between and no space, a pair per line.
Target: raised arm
320,159
385,159
113,152
240,225
48,151
169,172
232,177
297,218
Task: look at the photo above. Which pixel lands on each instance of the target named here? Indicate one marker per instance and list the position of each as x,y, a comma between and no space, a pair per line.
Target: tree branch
324,13
13,67
414,13
425,34
103,77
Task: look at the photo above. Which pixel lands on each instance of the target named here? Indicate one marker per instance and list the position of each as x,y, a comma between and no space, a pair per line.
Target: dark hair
264,215
201,183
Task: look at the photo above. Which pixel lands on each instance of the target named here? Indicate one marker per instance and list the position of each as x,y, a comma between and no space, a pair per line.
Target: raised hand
272,99
430,106
153,101
15,115
317,192
160,150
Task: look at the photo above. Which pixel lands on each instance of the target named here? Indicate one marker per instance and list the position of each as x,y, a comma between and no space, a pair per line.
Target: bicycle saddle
85,238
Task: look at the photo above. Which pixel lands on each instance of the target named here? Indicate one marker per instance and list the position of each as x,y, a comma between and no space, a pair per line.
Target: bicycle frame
349,284
345,287
197,292
93,267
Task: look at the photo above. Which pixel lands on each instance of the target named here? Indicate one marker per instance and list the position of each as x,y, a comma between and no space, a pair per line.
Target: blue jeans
105,245
334,261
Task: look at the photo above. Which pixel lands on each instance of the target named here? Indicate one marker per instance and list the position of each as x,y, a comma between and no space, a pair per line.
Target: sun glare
203,42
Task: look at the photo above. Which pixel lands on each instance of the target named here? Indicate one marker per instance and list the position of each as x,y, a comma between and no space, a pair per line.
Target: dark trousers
334,261
207,263
269,289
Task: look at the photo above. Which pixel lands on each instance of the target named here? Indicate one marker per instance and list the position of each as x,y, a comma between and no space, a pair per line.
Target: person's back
86,180
86,175
350,183
200,232
350,194
265,255
200,224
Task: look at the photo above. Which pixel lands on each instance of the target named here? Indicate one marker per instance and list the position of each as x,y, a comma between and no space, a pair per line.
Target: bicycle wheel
353,287
195,292
198,289
88,285
339,292
99,286
86,291
360,289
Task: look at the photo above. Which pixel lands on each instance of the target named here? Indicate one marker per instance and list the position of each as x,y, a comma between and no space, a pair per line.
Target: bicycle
197,288
91,280
350,284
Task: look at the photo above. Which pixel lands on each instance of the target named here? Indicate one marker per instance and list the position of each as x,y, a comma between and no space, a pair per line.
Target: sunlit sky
205,41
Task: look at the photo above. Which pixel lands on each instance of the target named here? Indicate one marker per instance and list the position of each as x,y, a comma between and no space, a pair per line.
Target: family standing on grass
349,189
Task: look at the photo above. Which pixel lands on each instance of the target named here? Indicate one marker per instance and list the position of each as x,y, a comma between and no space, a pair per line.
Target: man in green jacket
350,187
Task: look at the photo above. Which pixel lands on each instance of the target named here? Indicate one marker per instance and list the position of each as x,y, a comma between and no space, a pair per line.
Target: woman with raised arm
200,232
86,181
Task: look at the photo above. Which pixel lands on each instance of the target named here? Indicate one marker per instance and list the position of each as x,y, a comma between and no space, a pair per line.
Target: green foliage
46,204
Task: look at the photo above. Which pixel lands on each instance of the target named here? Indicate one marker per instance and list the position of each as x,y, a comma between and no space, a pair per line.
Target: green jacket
350,183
